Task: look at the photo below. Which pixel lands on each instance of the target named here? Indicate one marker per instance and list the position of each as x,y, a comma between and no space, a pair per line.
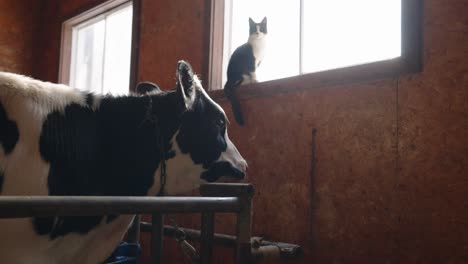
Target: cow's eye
221,123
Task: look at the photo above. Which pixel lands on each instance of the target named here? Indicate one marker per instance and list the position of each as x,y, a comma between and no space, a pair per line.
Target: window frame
89,16
409,62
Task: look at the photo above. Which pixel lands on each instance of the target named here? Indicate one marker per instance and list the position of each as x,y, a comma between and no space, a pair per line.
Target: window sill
361,73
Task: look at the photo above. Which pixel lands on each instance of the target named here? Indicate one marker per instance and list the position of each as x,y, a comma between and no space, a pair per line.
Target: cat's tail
235,104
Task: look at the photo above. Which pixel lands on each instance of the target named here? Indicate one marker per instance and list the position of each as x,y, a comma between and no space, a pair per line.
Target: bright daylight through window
307,36
101,52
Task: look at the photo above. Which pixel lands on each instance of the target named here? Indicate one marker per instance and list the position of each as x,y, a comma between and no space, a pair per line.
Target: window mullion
301,35
230,26
74,50
104,54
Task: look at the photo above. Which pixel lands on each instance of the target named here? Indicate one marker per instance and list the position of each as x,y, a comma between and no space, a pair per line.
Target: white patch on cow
23,245
232,155
183,175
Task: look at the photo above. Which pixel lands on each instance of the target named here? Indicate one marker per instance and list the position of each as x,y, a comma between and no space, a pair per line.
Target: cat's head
258,30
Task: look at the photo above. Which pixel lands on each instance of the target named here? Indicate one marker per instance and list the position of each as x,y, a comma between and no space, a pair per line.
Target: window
307,36
99,49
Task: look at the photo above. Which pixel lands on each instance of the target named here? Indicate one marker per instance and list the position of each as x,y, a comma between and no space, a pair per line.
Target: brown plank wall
18,31
391,177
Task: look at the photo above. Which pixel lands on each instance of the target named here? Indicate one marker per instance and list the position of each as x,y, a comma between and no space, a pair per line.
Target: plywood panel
352,192
18,27
170,31
433,153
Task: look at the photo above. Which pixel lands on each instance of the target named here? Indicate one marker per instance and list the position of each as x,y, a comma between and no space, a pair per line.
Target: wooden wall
391,178
19,22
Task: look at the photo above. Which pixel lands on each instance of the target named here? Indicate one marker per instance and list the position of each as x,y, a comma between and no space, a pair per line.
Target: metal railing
235,198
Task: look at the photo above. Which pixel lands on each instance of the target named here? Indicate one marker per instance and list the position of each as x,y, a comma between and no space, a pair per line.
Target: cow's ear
185,83
147,87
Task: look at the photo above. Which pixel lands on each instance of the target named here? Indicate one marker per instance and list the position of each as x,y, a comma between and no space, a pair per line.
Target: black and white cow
55,140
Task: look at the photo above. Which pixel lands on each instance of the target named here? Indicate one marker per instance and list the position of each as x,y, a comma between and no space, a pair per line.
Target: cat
243,64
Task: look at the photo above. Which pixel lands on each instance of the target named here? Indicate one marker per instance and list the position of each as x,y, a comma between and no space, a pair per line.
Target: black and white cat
244,63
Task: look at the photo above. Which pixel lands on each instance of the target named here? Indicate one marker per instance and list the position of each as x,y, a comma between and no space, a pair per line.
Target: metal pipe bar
157,221
207,238
42,206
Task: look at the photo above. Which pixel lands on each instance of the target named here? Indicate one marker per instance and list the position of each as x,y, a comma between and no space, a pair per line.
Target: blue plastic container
125,253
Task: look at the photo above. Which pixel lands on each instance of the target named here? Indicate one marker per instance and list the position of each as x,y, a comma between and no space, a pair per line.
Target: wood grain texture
18,32
433,151
170,31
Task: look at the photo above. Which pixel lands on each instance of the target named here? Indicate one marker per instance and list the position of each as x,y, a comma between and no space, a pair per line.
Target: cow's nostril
243,165
241,175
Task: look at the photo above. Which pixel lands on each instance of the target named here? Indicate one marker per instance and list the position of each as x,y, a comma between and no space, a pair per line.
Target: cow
55,140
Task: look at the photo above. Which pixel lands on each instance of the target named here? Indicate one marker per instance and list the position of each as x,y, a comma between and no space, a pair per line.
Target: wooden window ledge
387,69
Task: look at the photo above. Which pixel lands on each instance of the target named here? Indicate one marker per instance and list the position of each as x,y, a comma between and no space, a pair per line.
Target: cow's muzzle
220,169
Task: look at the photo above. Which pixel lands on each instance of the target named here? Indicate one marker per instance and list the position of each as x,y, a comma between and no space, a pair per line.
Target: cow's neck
135,126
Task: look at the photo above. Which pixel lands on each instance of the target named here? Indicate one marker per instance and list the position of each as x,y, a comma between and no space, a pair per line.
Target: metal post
245,193
157,238
207,238
244,231
133,234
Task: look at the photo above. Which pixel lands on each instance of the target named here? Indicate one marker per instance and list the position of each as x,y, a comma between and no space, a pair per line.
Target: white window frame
82,20
410,60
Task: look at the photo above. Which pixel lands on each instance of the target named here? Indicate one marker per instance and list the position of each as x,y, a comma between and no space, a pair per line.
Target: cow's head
201,149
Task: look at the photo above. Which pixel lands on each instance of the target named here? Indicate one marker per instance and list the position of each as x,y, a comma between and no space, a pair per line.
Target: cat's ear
251,22
185,84
147,87
264,21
